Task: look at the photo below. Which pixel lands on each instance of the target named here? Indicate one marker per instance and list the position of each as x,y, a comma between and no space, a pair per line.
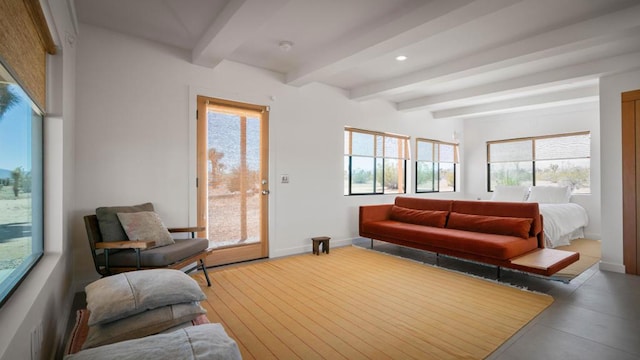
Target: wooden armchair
110,257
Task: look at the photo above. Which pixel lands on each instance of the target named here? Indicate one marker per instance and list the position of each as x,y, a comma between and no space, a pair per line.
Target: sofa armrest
370,213
375,212
541,242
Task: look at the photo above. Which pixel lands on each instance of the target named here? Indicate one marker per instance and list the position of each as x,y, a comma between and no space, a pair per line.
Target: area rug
360,304
590,254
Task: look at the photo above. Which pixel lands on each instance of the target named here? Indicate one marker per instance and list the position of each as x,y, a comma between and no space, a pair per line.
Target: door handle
265,192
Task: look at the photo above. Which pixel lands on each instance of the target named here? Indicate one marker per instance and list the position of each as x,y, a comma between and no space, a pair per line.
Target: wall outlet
284,179
36,342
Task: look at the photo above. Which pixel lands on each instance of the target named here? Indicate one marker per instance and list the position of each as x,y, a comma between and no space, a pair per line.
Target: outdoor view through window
374,162
554,160
234,162
21,238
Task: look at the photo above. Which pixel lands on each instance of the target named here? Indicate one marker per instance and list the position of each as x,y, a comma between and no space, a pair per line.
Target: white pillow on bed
510,193
550,194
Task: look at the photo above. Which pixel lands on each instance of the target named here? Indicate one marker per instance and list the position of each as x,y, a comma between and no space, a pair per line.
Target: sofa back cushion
499,208
423,204
501,225
433,218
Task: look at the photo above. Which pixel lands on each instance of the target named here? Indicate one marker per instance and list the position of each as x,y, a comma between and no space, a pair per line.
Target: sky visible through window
21,222
14,135
224,136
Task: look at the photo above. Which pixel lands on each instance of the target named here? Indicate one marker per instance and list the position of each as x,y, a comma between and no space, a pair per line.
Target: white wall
611,175
44,298
557,120
135,139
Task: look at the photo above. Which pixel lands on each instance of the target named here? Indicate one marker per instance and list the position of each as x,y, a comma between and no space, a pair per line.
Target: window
25,41
556,160
374,162
436,164
21,219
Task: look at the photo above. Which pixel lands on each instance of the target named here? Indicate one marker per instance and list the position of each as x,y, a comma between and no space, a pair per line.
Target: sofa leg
437,259
372,243
498,273
206,274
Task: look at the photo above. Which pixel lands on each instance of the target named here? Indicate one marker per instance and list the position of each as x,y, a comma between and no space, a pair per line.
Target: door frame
630,113
242,252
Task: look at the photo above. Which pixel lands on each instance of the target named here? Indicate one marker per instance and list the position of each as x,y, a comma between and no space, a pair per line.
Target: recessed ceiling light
285,45
401,58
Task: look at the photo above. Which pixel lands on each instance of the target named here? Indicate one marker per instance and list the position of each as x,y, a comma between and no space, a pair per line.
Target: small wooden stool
324,240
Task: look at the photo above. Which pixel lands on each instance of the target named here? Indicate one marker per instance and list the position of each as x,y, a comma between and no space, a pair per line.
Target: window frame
25,45
349,156
436,144
11,283
534,158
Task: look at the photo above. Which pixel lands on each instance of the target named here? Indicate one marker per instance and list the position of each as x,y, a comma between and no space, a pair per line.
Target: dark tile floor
594,316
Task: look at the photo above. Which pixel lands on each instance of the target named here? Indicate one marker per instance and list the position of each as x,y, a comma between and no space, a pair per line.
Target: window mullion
362,173
350,176
533,172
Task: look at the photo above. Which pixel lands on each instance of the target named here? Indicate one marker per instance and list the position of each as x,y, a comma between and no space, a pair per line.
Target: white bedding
563,223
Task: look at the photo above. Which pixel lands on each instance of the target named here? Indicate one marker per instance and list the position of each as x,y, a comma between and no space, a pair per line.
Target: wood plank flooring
360,304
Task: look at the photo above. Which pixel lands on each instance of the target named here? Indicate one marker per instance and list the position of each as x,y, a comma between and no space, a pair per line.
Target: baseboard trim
612,267
333,243
592,236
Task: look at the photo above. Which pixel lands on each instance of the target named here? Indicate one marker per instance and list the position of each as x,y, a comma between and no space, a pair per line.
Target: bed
563,220
563,223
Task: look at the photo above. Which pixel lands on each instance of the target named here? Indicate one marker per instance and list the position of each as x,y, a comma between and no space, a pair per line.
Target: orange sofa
497,233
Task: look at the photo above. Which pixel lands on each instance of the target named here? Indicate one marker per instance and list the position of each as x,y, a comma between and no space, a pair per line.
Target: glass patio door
233,184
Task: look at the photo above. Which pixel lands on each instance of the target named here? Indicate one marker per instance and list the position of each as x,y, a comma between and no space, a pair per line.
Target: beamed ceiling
464,57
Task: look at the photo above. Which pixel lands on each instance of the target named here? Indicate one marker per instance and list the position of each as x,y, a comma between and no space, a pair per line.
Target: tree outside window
374,162
555,160
436,165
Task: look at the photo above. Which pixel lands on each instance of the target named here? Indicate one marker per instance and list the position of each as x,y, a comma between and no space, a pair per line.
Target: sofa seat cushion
501,247
419,217
160,256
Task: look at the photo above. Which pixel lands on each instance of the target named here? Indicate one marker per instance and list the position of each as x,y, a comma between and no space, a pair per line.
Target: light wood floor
594,317
360,304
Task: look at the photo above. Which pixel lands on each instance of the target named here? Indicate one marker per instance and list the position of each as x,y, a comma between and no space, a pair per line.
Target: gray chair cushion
109,224
157,257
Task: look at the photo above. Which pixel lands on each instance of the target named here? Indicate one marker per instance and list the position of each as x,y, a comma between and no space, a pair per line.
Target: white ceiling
465,57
